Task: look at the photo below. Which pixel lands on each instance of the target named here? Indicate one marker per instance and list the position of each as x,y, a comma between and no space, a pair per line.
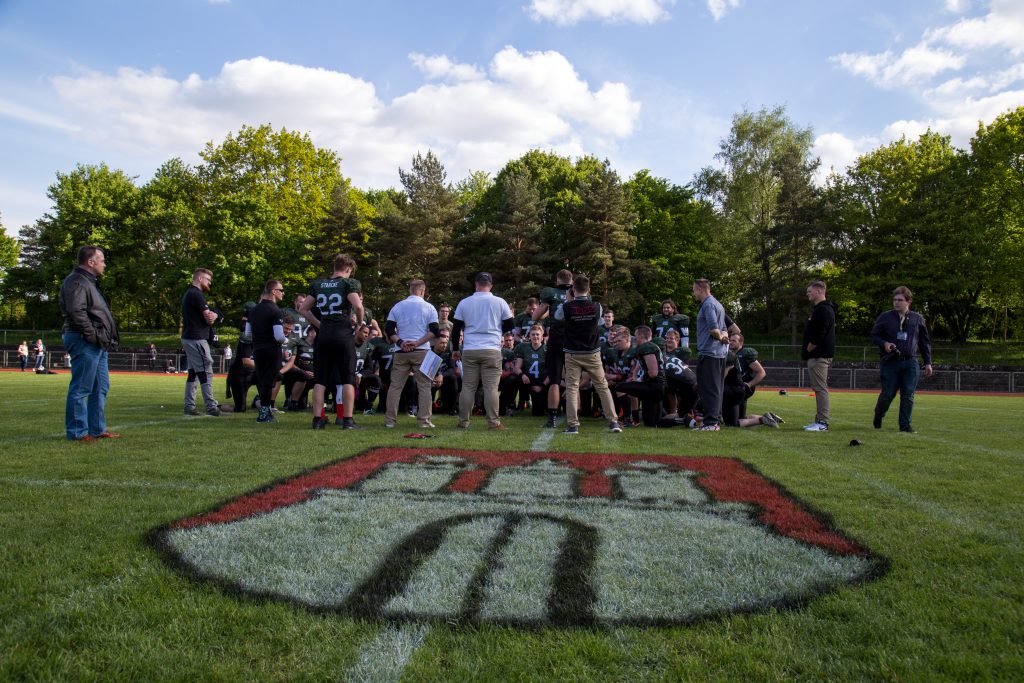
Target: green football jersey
332,298
533,359
648,349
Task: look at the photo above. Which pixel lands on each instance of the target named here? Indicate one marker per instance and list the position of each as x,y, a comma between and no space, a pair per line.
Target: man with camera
900,334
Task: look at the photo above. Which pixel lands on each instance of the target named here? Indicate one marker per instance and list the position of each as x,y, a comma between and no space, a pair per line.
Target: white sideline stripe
114,428
385,657
957,520
115,484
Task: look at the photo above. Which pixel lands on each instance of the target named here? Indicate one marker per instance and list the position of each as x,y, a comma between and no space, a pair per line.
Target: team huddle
564,354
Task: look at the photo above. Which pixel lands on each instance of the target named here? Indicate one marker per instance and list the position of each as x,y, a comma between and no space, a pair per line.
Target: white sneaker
816,427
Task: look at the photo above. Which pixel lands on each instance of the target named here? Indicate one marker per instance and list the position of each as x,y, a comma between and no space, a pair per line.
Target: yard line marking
386,656
118,427
543,440
957,520
116,483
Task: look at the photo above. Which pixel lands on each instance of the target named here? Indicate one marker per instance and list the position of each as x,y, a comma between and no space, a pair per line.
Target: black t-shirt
262,320
193,305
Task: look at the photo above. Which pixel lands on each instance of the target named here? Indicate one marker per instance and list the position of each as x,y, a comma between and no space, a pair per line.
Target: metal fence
118,362
1008,381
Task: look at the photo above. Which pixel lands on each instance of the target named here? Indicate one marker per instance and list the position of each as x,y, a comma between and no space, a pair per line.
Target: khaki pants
818,370
480,366
575,364
402,365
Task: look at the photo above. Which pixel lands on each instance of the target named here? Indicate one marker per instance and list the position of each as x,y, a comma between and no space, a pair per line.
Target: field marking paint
115,483
385,657
117,428
957,520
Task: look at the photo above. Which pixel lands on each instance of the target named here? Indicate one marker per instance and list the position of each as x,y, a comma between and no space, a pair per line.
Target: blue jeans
90,380
898,375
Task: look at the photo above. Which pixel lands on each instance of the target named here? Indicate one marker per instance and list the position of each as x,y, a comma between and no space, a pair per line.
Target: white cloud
569,12
473,119
719,8
889,71
837,152
441,67
1002,27
957,6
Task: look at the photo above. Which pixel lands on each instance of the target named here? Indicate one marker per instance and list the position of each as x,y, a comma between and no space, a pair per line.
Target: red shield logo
522,538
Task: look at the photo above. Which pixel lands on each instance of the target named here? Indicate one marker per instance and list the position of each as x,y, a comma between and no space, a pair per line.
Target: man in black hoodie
818,348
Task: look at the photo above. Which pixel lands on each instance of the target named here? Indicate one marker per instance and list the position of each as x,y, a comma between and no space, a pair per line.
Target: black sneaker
877,422
319,422
572,429
213,412
349,423
552,423
265,416
192,412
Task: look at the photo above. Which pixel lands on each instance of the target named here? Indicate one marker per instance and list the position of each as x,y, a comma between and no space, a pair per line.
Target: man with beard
197,321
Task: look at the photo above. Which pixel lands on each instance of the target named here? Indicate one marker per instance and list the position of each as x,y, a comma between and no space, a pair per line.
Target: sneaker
498,427
462,425
192,412
319,422
552,423
877,422
768,421
339,421
777,418
572,429
369,411
614,427
389,425
908,430
213,412
265,416
349,423
411,412
108,435
816,427
709,428
427,424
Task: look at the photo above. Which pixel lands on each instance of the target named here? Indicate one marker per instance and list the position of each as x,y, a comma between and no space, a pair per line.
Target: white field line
125,426
964,521
115,484
383,659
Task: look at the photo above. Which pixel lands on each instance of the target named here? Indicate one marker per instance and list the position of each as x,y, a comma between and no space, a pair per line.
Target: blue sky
645,83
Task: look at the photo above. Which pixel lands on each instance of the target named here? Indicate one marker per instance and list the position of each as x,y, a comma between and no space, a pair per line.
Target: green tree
413,238
91,205
745,192
672,240
602,239
997,189
269,195
905,217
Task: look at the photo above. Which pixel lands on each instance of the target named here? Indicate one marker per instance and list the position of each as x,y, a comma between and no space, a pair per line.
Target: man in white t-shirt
411,324
482,317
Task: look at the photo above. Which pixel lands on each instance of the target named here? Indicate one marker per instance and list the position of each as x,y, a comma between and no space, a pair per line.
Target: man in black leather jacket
89,334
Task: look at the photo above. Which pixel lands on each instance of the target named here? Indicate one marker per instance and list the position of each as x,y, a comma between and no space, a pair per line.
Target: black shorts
554,362
335,359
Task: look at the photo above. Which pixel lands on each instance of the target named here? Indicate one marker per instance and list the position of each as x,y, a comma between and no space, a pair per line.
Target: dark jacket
581,316
820,331
86,311
887,328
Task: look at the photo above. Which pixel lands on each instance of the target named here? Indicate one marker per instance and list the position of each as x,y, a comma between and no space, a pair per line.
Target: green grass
83,597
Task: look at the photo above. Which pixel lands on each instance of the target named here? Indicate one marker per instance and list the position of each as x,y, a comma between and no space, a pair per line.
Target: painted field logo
522,538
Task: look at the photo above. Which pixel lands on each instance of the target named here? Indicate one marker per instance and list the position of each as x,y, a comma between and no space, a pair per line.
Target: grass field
83,596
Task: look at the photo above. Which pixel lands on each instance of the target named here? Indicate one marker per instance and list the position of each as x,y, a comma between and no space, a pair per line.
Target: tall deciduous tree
906,218
269,194
746,190
997,188
672,241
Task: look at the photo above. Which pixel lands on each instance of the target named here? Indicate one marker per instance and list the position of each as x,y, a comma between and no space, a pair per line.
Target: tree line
268,203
